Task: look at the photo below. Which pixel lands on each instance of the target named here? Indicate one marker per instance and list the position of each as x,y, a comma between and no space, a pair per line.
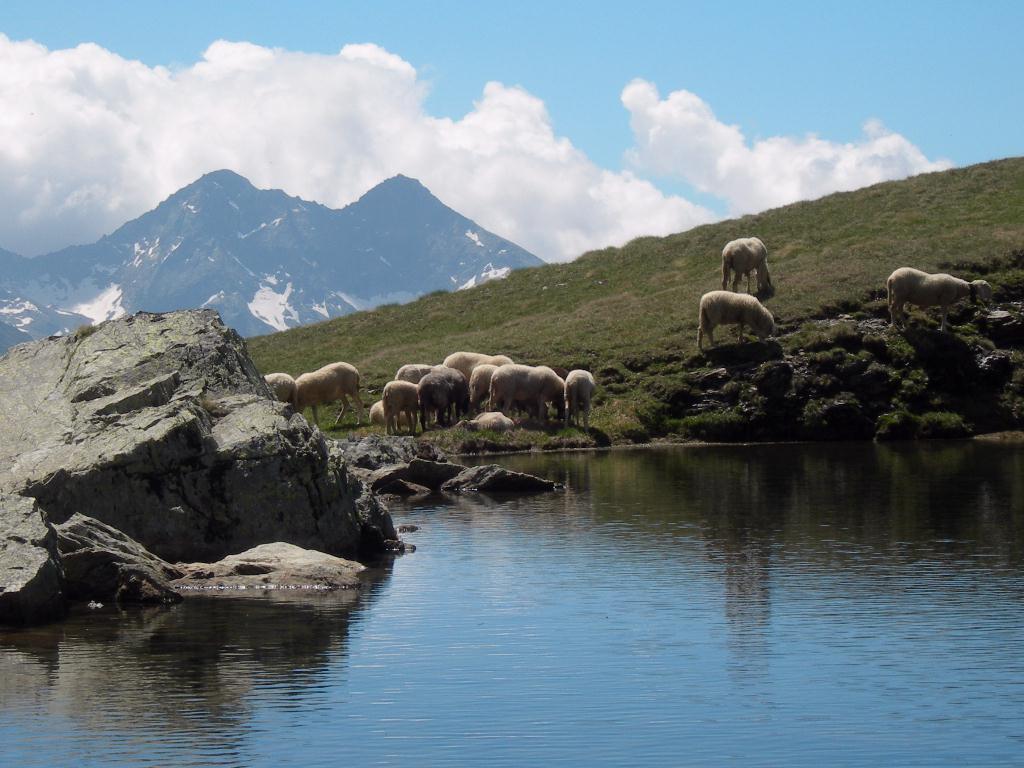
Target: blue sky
943,76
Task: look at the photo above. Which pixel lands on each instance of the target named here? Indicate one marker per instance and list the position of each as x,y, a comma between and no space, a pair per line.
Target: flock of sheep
494,386
466,382
748,255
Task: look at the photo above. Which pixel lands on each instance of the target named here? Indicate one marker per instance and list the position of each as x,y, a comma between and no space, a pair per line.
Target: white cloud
89,140
681,136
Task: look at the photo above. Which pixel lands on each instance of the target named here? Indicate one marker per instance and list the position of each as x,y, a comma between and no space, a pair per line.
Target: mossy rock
838,418
938,424
717,426
897,425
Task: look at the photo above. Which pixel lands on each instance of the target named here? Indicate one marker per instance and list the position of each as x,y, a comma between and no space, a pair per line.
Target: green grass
629,314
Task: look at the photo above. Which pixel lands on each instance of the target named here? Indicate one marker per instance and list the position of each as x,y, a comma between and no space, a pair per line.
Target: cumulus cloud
680,136
89,140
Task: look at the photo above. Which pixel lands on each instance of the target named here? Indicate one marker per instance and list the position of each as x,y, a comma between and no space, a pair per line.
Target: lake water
765,605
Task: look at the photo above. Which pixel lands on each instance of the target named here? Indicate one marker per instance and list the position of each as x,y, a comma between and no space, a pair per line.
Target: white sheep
480,384
377,414
413,372
912,286
743,256
282,385
535,386
495,421
467,361
335,381
401,398
727,308
579,390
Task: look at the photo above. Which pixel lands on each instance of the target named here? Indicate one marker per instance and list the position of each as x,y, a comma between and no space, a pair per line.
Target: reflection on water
797,605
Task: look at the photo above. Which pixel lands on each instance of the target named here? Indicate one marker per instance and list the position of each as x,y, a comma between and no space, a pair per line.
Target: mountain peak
224,178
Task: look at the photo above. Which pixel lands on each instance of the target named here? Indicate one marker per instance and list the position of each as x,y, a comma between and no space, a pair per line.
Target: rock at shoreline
31,579
270,567
160,426
101,563
491,478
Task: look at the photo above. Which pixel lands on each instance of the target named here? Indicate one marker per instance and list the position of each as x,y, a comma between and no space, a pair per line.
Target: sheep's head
981,291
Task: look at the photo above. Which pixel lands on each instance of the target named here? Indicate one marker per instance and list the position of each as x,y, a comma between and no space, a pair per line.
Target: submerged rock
270,566
160,426
491,478
31,579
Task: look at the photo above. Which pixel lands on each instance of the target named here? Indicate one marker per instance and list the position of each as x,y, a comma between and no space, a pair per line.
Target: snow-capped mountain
265,260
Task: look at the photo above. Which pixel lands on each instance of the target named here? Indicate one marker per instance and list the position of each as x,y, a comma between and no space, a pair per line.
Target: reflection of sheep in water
465,362
401,398
282,385
912,286
579,389
335,381
742,257
727,308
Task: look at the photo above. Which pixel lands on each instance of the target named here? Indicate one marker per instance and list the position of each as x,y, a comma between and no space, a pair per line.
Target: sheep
377,414
401,398
443,390
743,256
480,384
727,308
579,389
491,420
413,372
282,385
467,361
907,285
335,381
535,386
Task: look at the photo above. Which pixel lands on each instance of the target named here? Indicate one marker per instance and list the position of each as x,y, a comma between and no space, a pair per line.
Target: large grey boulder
490,478
31,580
101,563
160,426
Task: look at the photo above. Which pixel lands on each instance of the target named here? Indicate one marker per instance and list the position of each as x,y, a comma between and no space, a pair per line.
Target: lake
807,605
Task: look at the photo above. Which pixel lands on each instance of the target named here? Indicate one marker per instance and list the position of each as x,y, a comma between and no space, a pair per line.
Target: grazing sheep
335,381
727,308
742,257
535,386
491,420
912,286
480,385
467,361
377,414
282,385
413,372
443,391
579,389
401,398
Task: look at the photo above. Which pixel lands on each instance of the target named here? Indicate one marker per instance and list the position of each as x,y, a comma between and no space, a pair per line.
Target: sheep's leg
586,417
736,282
945,311
316,417
344,407
739,333
748,282
360,409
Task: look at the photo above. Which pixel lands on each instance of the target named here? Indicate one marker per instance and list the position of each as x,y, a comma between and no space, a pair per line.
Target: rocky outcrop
490,478
160,426
101,563
31,580
272,566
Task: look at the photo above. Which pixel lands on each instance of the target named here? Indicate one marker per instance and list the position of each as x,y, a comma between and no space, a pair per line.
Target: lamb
490,420
480,384
467,361
413,372
282,385
579,390
377,414
535,386
335,381
727,308
912,286
401,398
743,256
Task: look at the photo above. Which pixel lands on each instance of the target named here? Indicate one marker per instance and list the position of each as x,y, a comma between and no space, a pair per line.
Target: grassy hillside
629,314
